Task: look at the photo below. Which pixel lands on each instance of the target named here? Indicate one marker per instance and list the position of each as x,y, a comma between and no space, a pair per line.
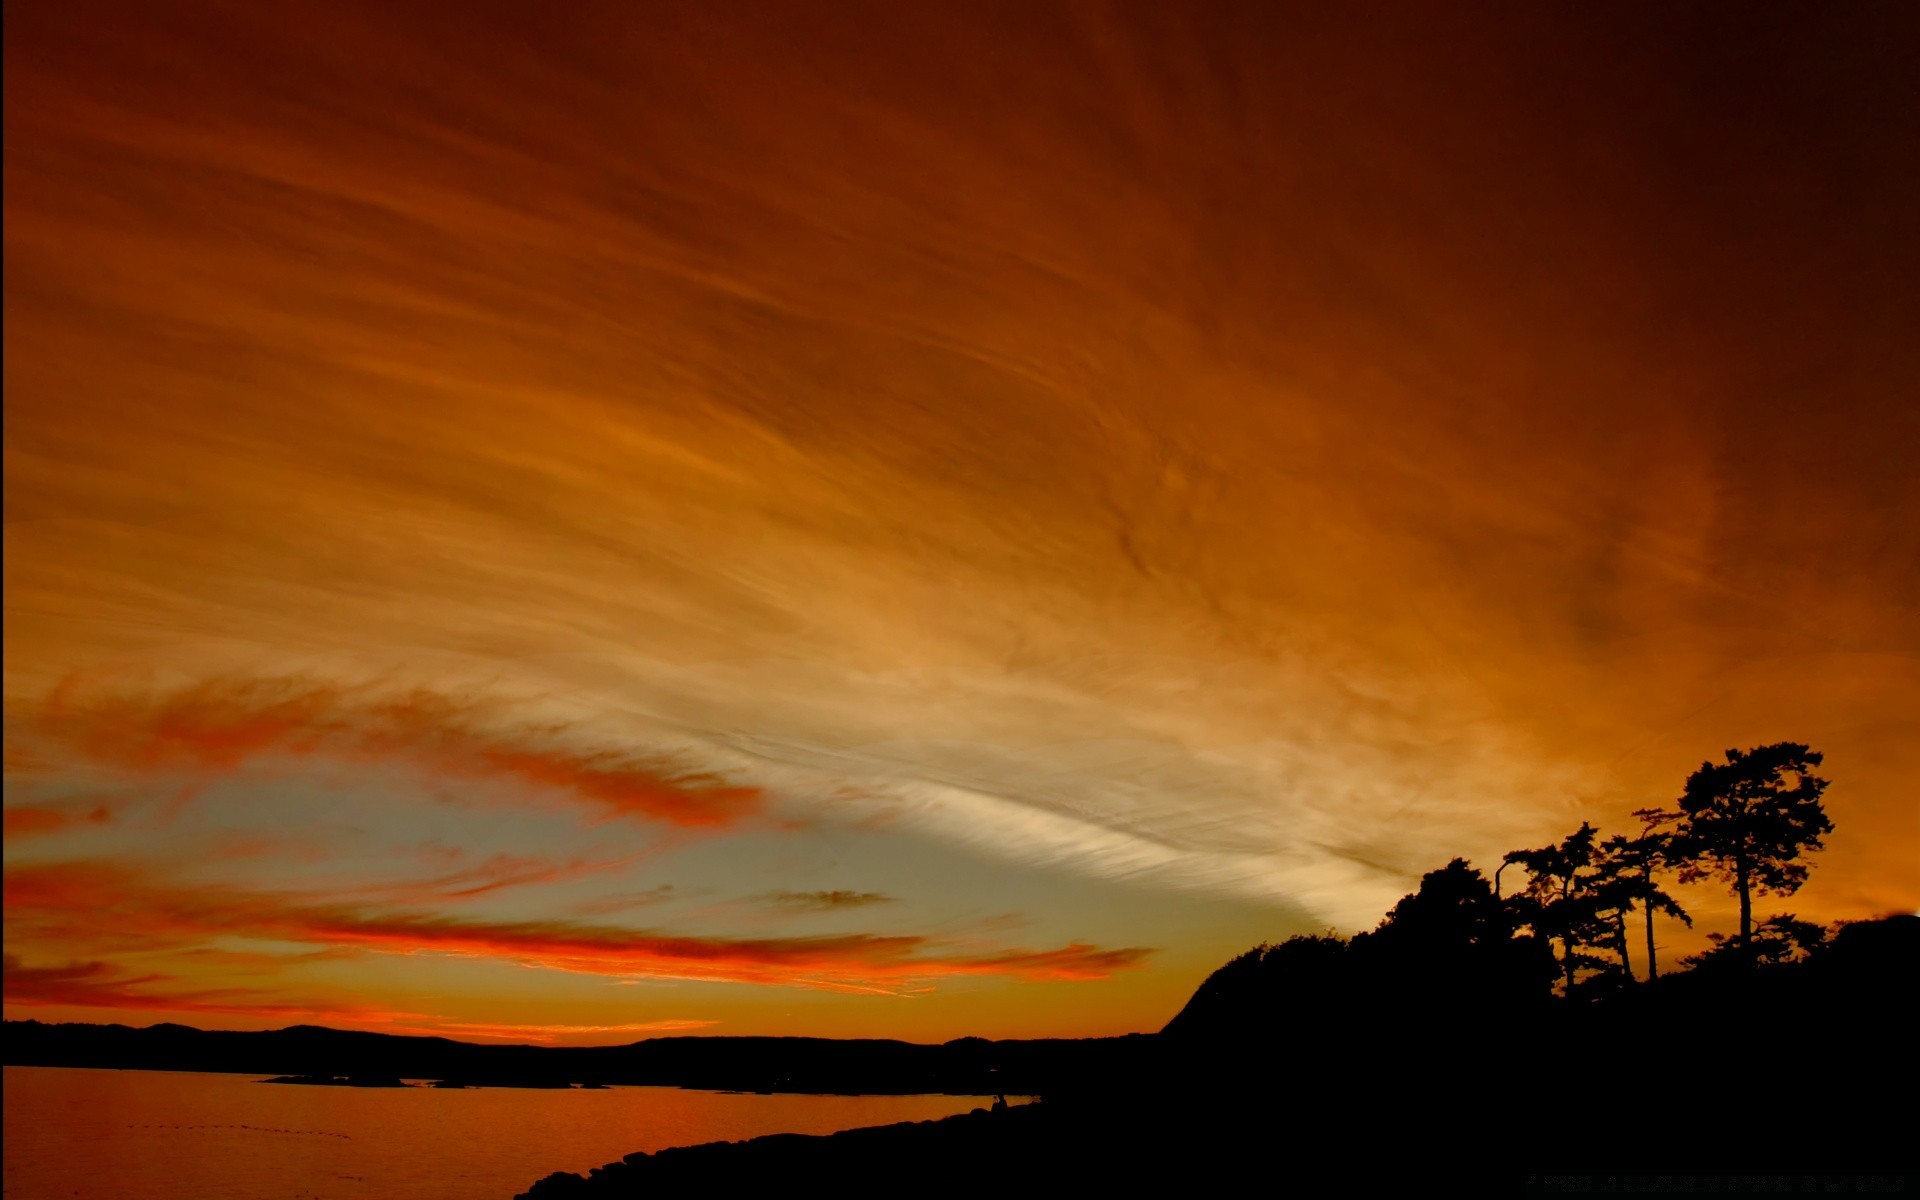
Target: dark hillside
967,1066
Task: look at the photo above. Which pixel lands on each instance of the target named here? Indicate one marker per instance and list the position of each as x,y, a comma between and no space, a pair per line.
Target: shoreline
429,1084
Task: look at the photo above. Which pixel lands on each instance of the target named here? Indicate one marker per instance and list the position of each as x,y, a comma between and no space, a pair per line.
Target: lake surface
81,1134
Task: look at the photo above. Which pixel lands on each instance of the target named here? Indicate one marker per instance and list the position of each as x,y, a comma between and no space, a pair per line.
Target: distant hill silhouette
966,1067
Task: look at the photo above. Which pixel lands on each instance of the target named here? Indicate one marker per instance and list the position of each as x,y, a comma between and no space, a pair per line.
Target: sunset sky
573,521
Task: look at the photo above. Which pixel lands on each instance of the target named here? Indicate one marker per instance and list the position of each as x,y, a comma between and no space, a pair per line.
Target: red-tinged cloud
550,1033
41,902
219,725
103,985
27,820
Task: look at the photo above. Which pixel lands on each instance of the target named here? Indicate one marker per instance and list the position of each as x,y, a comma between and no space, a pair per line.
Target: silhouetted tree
1613,901
1459,946
1750,819
1453,909
1629,877
1564,902
1781,938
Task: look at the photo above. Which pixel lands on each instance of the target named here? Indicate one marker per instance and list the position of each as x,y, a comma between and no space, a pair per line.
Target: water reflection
154,1135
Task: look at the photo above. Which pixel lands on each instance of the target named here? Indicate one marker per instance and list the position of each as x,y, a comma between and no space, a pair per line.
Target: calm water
156,1135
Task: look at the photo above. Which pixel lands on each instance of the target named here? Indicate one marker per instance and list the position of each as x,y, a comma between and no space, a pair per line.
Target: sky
569,523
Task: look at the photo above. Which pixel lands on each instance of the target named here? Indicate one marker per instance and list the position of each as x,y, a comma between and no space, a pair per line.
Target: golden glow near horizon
566,523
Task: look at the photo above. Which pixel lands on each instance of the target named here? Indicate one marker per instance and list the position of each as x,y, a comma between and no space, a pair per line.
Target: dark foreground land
1043,1149
1312,1070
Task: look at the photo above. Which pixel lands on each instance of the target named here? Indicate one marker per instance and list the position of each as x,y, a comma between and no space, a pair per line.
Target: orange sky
565,521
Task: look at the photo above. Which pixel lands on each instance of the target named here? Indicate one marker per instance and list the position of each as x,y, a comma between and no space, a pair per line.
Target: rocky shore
982,1148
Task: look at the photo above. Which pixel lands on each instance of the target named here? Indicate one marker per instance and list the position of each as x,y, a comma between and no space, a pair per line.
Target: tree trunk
1626,963
1744,885
1566,940
1653,969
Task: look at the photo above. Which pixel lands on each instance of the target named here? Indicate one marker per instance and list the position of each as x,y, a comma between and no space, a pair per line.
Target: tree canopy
1750,821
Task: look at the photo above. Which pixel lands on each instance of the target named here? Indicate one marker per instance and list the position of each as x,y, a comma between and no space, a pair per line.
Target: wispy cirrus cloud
1307,544
499,873
825,901
219,725
623,901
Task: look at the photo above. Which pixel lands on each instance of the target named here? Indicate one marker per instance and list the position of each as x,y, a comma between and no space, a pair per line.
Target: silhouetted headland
1365,1063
